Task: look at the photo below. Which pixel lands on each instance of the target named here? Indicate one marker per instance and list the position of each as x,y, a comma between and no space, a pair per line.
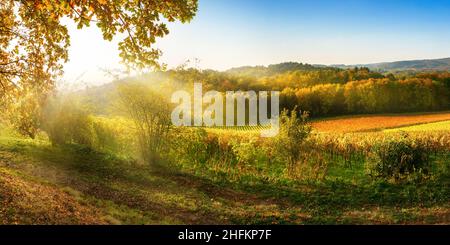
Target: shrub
67,122
313,166
115,135
249,153
189,146
24,115
150,113
398,159
294,130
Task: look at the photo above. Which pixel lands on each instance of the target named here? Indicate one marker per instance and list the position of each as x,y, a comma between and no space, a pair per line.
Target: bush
398,159
67,122
250,154
189,146
294,130
150,114
114,135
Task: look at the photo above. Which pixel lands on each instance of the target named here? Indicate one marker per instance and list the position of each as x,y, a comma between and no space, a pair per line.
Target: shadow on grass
106,177
93,173
326,200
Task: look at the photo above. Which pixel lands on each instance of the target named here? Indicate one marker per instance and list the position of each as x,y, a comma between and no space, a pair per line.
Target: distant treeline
326,91
369,96
321,90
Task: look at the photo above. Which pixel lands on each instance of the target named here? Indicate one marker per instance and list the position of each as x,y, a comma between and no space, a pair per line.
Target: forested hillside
323,91
407,65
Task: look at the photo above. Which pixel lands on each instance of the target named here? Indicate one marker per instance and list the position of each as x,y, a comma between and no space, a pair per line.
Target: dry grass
25,201
377,122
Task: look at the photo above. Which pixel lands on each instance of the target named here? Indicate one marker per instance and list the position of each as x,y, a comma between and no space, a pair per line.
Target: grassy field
72,184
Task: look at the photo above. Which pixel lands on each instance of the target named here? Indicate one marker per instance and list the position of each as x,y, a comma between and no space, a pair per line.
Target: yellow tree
34,43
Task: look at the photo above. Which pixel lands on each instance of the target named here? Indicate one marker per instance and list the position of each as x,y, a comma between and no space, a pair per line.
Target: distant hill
397,66
407,65
100,96
258,71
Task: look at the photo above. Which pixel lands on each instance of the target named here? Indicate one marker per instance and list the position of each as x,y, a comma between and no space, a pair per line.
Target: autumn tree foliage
328,91
34,43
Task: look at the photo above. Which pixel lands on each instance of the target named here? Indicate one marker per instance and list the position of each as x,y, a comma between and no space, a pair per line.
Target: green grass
126,192
436,126
346,191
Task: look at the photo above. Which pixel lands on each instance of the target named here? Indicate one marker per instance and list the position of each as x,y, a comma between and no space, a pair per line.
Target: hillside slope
71,184
26,201
406,65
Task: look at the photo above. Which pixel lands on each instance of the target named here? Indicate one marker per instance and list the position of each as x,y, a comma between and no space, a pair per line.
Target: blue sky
229,33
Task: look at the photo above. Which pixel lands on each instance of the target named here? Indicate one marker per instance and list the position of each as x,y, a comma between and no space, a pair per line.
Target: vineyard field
437,126
377,122
368,123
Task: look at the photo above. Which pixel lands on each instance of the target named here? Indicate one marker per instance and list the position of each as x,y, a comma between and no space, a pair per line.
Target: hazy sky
229,33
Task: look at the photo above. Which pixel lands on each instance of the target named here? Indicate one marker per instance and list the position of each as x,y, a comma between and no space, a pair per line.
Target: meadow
221,176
